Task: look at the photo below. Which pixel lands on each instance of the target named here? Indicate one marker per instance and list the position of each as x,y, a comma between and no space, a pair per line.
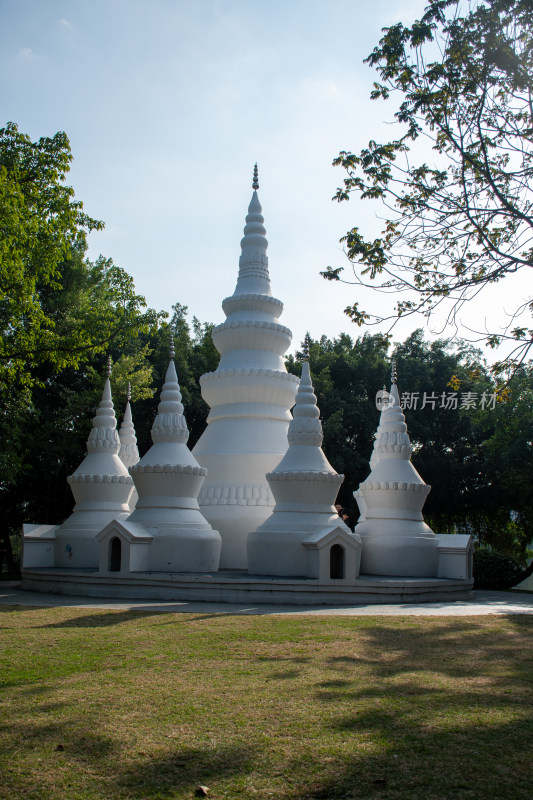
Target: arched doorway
336,561
115,554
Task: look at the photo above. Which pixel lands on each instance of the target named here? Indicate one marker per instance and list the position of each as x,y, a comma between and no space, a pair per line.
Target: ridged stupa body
168,479
396,540
101,487
305,487
129,452
250,395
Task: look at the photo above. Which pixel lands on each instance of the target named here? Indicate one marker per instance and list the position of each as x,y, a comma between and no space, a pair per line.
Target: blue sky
168,104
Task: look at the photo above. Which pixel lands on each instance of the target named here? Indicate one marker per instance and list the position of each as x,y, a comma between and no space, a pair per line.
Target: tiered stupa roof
396,540
101,487
305,487
129,452
250,394
168,479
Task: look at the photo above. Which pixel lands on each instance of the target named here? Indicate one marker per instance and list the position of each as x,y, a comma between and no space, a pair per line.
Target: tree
44,424
56,308
464,74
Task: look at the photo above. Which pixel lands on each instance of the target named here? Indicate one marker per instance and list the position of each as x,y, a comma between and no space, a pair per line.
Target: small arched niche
115,554
336,561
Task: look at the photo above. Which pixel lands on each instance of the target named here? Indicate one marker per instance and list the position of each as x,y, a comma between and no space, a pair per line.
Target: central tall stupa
250,395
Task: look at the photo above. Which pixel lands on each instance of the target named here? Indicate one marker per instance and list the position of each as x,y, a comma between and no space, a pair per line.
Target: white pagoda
129,452
250,395
101,486
396,540
249,515
167,531
304,535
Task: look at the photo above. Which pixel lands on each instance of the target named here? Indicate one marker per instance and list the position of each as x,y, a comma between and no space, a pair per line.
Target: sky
169,103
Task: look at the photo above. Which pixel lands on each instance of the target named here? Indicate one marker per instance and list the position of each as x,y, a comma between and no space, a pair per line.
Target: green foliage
44,438
463,74
478,461
60,314
57,310
493,570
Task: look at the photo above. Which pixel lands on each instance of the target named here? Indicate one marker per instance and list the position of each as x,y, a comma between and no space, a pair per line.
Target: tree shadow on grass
446,712
104,619
184,769
456,649
84,745
160,776
284,675
468,762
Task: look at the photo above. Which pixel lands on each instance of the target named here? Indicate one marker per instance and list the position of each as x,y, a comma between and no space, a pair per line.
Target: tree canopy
463,74
56,308
473,445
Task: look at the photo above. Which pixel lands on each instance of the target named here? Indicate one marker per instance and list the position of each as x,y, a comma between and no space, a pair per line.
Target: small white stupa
396,540
101,487
167,529
385,399
129,452
250,395
304,520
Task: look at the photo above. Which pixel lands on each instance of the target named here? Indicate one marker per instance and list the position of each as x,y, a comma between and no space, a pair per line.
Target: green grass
115,705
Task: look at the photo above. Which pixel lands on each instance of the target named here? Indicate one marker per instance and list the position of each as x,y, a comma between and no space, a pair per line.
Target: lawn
111,705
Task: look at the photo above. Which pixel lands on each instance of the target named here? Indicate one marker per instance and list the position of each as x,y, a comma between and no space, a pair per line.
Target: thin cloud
66,24
26,54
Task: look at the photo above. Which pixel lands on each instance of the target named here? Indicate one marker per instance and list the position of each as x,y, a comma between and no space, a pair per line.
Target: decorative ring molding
254,272
257,494
401,486
103,444
326,477
179,469
87,478
267,373
264,299
253,323
394,448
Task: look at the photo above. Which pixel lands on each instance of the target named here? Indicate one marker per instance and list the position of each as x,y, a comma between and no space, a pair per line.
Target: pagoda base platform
237,586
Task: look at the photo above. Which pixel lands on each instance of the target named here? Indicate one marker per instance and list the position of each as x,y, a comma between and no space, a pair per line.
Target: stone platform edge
228,586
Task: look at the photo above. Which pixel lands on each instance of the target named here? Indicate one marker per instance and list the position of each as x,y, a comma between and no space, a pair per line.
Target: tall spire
101,487
305,487
128,453
253,263
305,433
104,434
396,540
249,394
170,424
168,479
